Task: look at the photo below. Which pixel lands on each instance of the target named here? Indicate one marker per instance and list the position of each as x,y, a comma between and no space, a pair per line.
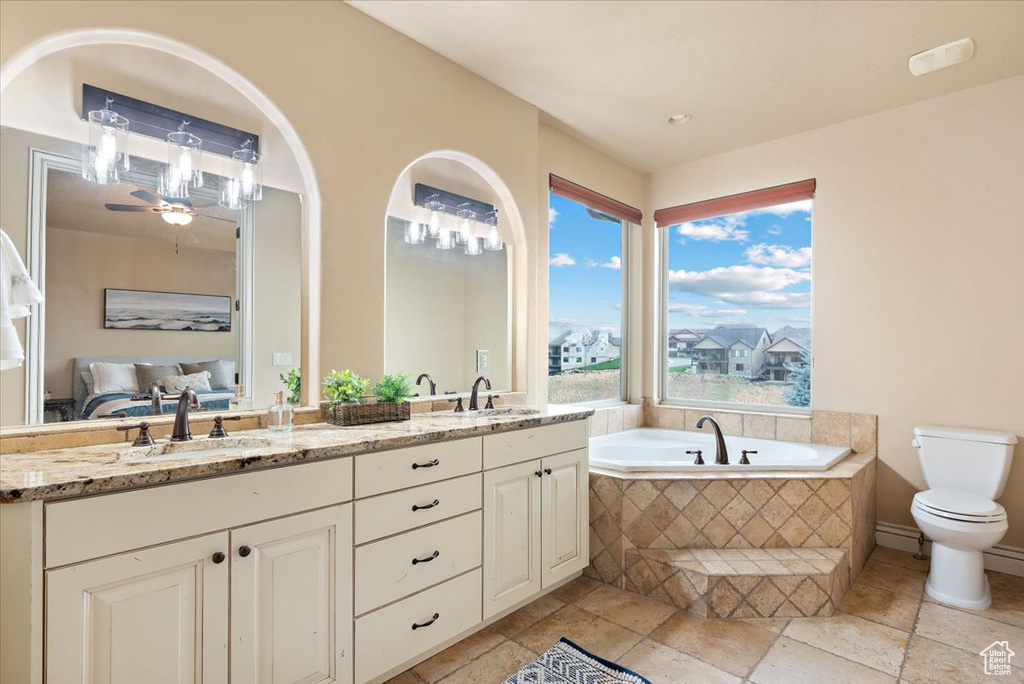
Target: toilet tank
965,459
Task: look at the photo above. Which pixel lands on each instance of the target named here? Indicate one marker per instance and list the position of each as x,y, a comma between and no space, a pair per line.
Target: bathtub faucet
721,453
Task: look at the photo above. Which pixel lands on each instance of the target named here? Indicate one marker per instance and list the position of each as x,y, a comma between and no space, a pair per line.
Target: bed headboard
78,388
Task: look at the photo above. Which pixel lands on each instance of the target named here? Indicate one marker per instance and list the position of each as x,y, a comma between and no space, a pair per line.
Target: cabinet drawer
112,523
385,570
385,639
506,448
389,514
387,471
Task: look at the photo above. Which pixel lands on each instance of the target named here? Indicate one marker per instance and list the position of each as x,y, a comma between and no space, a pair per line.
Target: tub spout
721,453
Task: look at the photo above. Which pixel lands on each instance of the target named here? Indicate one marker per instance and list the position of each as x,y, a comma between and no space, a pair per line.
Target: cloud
567,322
703,311
552,215
745,285
726,228
614,263
562,259
775,230
779,255
783,210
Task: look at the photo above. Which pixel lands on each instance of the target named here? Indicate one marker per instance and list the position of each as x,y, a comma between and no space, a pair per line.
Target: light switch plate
282,358
483,360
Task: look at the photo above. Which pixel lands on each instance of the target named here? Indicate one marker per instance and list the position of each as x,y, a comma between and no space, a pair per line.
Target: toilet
965,470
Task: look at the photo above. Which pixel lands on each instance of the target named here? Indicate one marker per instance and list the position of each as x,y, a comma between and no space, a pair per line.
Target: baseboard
999,558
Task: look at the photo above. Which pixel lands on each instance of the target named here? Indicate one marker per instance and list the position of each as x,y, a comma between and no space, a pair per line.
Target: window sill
729,407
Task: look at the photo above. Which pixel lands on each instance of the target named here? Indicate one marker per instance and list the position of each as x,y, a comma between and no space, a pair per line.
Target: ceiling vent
941,57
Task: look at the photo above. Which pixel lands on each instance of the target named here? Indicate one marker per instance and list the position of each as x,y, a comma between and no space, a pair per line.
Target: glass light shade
250,178
493,241
177,218
466,220
105,158
184,160
230,194
434,226
473,245
414,233
445,239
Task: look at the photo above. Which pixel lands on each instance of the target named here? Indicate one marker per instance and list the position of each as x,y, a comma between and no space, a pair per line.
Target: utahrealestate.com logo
997,658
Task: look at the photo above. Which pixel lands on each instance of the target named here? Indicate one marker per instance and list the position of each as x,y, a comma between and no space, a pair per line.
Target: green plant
344,388
393,389
799,392
293,381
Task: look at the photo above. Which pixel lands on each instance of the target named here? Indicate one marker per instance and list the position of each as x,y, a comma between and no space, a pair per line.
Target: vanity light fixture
445,238
184,157
436,209
493,241
414,233
105,157
467,218
246,184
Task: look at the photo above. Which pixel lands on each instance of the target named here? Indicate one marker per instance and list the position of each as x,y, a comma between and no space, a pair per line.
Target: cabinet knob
218,557
244,551
538,473
547,471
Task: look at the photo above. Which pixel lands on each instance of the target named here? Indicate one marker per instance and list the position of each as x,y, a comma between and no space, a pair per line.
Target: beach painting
142,310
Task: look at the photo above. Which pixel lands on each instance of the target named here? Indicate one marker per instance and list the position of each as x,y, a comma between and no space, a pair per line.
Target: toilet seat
960,506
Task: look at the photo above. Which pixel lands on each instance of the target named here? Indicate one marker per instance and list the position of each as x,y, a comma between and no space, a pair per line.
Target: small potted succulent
343,391
392,392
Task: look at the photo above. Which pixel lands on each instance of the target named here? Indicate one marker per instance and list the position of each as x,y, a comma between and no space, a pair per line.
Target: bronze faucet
187,400
474,398
156,397
721,453
430,381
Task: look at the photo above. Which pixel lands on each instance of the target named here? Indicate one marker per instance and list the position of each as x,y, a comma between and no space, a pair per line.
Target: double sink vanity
323,554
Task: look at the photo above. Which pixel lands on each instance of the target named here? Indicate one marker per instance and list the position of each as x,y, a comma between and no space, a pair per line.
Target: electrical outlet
282,358
483,360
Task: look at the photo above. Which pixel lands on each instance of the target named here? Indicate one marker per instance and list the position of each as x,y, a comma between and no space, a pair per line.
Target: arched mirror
144,284
448,270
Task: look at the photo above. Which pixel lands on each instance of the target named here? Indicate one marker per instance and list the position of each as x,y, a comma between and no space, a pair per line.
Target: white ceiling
612,72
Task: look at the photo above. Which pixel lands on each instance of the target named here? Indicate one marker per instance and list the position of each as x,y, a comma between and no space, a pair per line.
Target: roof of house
799,336
728,335
585,337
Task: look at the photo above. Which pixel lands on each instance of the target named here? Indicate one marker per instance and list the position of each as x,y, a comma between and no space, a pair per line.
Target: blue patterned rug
567,663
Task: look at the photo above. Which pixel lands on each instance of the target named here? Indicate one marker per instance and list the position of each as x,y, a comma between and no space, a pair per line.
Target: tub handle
698,460
743,456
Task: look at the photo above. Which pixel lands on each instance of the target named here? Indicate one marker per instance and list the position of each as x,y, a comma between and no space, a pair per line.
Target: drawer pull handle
429,558
423,508
244,551
428,464
427,623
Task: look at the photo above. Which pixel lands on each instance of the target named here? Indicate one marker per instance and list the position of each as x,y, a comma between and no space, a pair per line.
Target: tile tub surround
741,583
830,509
611,419
66,473
884,631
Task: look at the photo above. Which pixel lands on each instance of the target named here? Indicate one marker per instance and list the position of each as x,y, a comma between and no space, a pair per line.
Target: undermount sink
500,412
198,448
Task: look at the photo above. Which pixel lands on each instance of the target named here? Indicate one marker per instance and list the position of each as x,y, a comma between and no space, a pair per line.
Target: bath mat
567,663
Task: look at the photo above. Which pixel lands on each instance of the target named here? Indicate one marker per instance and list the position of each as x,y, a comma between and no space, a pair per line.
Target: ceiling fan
178,211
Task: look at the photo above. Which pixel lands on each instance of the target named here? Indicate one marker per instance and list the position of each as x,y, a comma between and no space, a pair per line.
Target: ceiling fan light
105,157
177,218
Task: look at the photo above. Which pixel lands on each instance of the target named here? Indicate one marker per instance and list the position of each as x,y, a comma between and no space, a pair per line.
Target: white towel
17,294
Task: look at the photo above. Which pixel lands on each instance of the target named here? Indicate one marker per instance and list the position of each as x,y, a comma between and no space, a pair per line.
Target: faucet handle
490,402
698,460
458,406
218,426
743,456
143,439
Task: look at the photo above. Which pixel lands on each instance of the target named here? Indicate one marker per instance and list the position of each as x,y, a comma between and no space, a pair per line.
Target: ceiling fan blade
147,196
134,207
217,218
204,205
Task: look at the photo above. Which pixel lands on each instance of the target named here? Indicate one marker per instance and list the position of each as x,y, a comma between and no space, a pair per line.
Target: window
737,271
566,359
587,291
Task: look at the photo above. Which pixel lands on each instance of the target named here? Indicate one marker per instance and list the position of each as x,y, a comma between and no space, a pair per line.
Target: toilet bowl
961,526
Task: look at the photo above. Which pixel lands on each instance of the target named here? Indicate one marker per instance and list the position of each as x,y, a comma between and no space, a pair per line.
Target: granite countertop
66,473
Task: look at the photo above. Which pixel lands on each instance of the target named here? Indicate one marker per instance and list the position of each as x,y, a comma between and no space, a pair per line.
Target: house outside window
737,276
587,278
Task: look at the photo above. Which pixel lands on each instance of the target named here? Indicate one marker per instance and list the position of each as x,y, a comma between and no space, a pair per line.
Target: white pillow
114,377
89,382
199,382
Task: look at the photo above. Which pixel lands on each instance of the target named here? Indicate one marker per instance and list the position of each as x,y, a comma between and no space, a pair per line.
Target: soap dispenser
239,402
281,414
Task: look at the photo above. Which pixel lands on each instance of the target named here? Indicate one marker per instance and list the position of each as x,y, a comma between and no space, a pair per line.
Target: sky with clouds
751,267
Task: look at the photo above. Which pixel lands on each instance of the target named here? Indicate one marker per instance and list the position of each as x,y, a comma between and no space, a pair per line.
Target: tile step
742,583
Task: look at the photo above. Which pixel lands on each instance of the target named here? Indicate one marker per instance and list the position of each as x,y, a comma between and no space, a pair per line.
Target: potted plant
342,390
392,392
293,382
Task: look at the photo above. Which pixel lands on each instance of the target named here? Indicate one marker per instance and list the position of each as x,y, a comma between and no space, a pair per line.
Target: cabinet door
564,520
156,615
511,535
291,599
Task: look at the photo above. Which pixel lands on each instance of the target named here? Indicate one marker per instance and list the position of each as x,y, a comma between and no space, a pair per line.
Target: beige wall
565,156
80,265
918,247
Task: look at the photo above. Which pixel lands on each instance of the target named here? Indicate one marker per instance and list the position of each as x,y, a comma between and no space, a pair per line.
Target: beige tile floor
886,631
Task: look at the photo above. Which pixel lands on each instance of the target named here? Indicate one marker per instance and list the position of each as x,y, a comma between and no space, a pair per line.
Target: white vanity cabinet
535,512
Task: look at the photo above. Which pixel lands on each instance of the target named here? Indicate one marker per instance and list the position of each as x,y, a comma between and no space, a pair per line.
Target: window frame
663,398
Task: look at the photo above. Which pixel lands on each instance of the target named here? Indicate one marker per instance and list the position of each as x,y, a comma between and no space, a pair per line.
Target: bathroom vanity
323,555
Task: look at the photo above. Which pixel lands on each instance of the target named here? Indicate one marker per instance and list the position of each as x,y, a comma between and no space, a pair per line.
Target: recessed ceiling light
680,118
941,57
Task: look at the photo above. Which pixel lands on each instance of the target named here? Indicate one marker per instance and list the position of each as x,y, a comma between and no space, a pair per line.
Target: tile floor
886,630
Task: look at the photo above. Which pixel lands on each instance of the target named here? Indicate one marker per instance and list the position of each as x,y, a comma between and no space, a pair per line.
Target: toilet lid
966,506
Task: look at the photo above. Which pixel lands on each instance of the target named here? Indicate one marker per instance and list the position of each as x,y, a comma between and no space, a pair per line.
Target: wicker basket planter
364,414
